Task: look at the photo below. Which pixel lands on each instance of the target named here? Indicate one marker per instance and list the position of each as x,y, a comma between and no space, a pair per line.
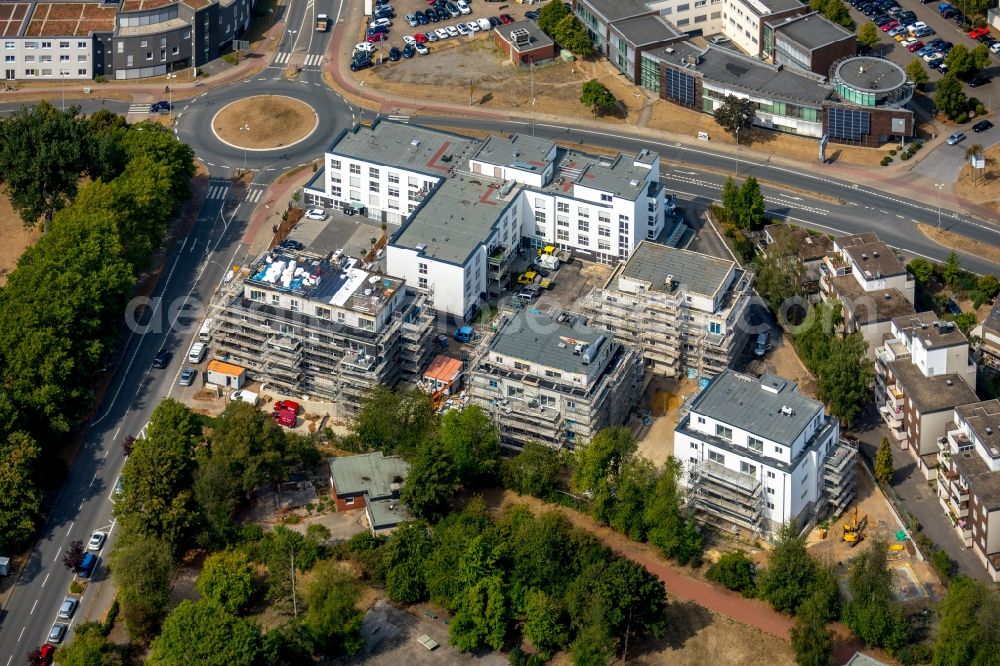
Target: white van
205,334
760,348
197,353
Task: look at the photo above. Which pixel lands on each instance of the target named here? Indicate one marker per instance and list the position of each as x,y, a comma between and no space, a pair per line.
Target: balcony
892,417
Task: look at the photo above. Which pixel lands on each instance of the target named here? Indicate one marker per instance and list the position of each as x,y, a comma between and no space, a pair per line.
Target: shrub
892,152
734,570
915,653
962,118
885,161
943,565
980,109
904,156
76,587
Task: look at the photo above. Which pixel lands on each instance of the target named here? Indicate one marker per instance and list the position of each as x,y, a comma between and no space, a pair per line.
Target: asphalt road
196,265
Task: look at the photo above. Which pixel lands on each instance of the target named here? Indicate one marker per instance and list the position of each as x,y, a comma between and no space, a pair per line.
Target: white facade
705,15
47,58
378,188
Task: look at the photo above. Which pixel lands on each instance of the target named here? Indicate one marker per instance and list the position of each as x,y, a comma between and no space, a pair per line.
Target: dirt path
683,586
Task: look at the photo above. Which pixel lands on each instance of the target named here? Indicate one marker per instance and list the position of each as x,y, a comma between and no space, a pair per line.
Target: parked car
432,15
915,46
421,18
57,633
495,21
290,405
316,214
441,33
366,47
938,65
452,31
394,54
97,540
982,126
976,33
411,19
957,137
506,18
995,48
162,359
68,607
380,23
462,29
420,38
409,39
47,653
472,26
421,49
187,376
943,47
531,16
898,33
408,51
977,81
924,32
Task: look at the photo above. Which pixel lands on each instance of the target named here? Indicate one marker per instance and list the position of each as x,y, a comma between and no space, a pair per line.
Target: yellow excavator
854,529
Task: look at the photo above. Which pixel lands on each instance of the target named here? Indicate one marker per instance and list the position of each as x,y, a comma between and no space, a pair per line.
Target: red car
290,405
46,652
979,32
284,417
506,18
886,27
915,46
420,37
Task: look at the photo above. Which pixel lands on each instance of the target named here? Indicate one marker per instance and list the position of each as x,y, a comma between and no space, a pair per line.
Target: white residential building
744,20
757,454
465,206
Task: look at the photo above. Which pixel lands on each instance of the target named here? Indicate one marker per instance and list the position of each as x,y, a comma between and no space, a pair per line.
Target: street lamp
62,84
170,93
291,39
939,186
245,128
738,151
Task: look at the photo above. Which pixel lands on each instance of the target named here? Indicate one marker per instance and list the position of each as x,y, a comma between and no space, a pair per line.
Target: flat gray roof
934,333
984,420
542,340
874,259
643,30
620,177
780,5
692,271
741,72
536,38
506,150
870,74
811,30
387,513
931,394
616,10
419,149
455,218
370,473
757,405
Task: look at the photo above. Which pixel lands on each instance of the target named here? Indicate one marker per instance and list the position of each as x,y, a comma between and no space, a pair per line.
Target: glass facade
848,124
649,74
810,114
853,96
679,87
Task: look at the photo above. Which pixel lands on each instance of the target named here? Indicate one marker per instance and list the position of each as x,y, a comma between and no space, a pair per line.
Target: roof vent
787,411
669,50
989,431
875,254
578,349
421,247
415,142
864,257
888,297
948,382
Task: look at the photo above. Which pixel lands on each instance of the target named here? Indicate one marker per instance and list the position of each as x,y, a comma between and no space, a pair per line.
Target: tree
917,73
394,422
736,114
734,570
677,537
780,272
598,465
403,561
128,443
228,578
597,96
988,286
43,153
572,35
980,58
633,487
430,482
143,570
835,11
749,211
959,62
872,611
883,462
482,618
594,644
965,322
868,37
549,17
845,377
332,622
921,269
202,632
442,567
812,642
279,550
791,571
949,97
952,271
20,499
156,498
473,444
89,647
967,632
73,557
533,471
544,624
730,197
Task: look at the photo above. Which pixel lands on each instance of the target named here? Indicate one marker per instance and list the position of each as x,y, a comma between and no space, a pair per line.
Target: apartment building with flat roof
684,310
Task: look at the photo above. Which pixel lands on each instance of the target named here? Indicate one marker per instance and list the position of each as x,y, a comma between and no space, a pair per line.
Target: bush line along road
195,266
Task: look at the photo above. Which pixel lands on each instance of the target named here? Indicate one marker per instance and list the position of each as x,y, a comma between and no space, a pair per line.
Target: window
583,212
175,50
701,420
562,207
771,475
422,268
29,58
81,45
64,58
46,45
143,44
770,490
756,444
770,505
583,226
394,178
373,172
539,202
29,72
717,457
701,18
683,8
539,217
714,327
723,432
422,283
606,197
583,240
349,501
81,58
680,23
694,445
747,468
32,45
562,235
8,58
779,450
149,55
356,169
9,45
335,164
373,186
393,191
64,45
603,244
562,222
604,231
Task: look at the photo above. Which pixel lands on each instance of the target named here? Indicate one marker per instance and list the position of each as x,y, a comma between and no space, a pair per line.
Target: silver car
57,633
68,607
957,137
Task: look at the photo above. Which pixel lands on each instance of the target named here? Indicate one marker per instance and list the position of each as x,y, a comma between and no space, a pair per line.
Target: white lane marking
46,580
21,634
32,611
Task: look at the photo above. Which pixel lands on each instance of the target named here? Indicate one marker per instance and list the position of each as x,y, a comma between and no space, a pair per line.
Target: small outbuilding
444,374
371,482
226,374
524,43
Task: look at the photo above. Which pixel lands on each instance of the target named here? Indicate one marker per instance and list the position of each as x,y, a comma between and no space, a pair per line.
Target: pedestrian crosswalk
254,193
310,60
139,108
217,190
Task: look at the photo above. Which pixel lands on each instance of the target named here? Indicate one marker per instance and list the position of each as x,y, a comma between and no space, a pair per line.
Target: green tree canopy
749,211
20,499
811,640
472,443
633,488
846,376
228,578
872,611
917,73
549,17
332,622
967,634
921,270
545,626
142,566
791,571
572,35
868,36
483,616
883,461
780,272
202,632
598,465
89,647
597,97
734,570
677,536
430,483
394,422
736,114
949,97
404,557
533,471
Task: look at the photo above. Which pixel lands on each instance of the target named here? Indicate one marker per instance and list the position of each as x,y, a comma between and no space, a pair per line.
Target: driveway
945,162
920,499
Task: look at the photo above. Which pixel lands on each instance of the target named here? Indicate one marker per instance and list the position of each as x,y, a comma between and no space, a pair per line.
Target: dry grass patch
15,237
960,243
274,121
985,189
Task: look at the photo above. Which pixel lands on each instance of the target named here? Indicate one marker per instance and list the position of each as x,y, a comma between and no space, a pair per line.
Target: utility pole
245,128
939,187
738,151
531,67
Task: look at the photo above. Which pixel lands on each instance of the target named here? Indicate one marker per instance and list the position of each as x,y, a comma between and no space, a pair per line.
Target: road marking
21,634
94,480
254,194
281,58
10,659
57,553
32,611
46,580
139,108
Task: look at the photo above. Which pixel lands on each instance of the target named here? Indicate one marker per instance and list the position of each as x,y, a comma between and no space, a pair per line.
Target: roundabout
264,122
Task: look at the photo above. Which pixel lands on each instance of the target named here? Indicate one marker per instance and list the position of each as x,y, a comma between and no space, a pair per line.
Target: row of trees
60,312
522,577
835,11
558,22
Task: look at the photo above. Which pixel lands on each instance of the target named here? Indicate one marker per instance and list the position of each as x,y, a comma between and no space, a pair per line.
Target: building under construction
323,325
685,310
554,380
